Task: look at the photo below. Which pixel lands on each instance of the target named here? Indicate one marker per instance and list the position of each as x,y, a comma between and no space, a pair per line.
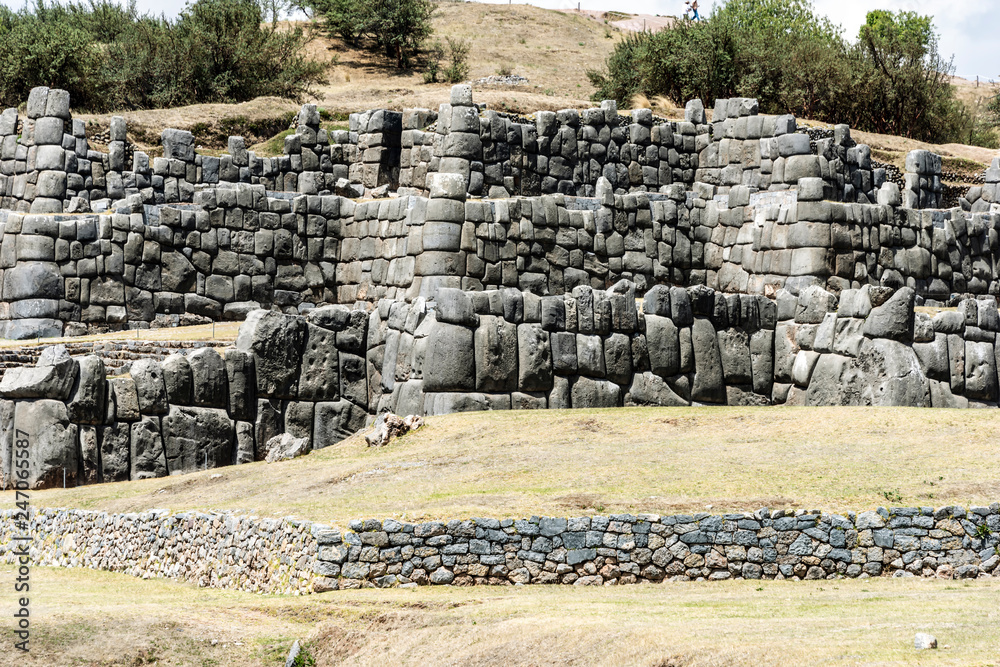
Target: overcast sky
969,29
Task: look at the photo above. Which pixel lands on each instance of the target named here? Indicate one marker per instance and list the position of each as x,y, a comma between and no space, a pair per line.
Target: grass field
83,617
575,462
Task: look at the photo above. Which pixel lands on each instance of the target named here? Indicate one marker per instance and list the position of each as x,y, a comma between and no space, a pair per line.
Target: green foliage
456,54
892,79
111,57
397,28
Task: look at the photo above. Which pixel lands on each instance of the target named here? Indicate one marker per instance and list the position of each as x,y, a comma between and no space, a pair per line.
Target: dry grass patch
576,462
82,617
224,331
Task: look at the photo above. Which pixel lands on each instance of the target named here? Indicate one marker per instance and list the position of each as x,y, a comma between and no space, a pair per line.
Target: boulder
650,389
54,377
663,345
894,318
209,381
534,357
319,378
52,442
284,447
87,401
336,421
496,355
450,364
152,392
115,452
147,454
589,393
708,386
195,438
276,342
177,379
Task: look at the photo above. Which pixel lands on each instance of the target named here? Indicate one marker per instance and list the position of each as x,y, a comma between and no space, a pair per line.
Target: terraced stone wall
320,377
224,550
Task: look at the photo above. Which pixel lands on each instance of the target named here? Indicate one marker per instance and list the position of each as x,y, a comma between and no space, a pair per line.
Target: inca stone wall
320,376
224,550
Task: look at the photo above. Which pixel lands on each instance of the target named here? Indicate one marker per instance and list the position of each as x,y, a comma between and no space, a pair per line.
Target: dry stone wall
321,376
226,550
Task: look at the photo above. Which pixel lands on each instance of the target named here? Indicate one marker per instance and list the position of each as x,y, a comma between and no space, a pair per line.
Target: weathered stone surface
894,318
335,421
152,392
195,438
534,358
53,378
495,353
52,442
708,386
276,342
450,363
319,378
148,458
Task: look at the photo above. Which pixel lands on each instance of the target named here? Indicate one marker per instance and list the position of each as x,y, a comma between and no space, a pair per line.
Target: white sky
969,29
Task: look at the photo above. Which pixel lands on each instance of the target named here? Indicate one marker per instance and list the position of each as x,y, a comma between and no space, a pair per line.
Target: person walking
692,7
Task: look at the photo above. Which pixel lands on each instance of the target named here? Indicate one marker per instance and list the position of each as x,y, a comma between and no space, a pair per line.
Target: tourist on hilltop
693,8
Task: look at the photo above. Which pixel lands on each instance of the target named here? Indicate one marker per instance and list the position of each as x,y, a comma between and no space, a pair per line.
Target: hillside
580,462
552,49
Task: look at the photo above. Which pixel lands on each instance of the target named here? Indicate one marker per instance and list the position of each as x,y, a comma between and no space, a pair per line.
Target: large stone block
319,379
450,363
51,440
148,457
496,355
276,342
534,355
663,344
336,421
177,379
195,438
152,392
708,386
591,393
115,452
209,381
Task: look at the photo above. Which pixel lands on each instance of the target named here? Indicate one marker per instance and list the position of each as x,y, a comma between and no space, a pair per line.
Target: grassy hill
580,462
553,49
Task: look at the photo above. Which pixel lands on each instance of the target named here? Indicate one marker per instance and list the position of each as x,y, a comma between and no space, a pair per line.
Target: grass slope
573,462
83,617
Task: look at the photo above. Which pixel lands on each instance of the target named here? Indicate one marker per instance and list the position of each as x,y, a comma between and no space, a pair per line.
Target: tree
397,28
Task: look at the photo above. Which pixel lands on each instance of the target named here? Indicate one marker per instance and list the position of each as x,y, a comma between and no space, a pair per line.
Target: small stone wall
217,550
224,550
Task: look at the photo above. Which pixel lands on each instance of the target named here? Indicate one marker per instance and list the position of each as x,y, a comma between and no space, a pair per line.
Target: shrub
110,57
458,60
892,79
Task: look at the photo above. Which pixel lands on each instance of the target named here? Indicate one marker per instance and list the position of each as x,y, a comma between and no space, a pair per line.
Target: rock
534,358
450,364
813,304
87,402
922,641
209,381
115,452
284,447
52,442
496,361
590,393
336,421
663,344
708,384
148,458
389,426
650,389
152,393
319,378
293,655
894,318
177,379
54,378
242,384
889,375
195,438
276,342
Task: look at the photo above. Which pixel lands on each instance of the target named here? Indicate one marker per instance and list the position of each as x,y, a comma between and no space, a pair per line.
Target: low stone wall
225,550
218,550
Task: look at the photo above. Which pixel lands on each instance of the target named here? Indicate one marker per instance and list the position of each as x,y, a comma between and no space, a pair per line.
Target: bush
395,27
892,79
456,53
110,57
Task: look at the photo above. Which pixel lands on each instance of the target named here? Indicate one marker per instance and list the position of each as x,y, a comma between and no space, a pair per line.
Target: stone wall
217,549
225,550
320,376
